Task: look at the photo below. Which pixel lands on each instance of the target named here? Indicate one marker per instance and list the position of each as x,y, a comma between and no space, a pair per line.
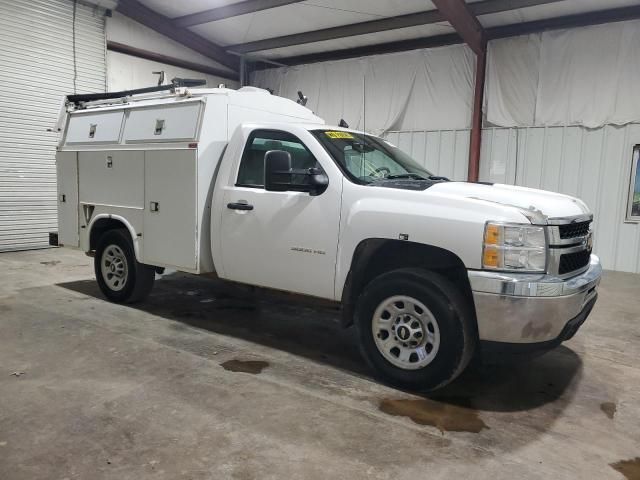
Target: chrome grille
573,230
570,262
569,245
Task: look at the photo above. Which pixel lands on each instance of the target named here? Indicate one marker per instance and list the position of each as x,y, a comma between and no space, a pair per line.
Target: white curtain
417,90
584,76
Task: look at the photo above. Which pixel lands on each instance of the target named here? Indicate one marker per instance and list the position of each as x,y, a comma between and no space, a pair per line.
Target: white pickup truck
258,190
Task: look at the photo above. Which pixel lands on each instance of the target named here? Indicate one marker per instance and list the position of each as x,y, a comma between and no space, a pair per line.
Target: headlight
514,248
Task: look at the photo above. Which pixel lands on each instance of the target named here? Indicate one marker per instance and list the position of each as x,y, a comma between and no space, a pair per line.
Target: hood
537,205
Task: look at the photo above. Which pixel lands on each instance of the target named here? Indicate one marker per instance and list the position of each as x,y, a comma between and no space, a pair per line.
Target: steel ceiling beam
228,11
376,49
149,18
384,24
458,14
161,58
567,21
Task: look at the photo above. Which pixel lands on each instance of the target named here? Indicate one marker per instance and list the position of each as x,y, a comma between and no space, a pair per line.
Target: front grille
573,261
573,230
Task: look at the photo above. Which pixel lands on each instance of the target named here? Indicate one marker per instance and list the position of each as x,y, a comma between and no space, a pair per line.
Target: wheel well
374,257
101,226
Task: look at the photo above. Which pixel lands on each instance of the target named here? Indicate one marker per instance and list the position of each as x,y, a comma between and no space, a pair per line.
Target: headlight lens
514,248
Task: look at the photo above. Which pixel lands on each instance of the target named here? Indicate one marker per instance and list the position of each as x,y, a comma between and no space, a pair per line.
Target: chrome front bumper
526,308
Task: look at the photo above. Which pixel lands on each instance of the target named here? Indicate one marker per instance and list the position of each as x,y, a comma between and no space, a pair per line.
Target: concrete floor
195,384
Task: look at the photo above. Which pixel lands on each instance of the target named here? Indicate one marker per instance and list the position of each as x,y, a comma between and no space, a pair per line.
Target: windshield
366,159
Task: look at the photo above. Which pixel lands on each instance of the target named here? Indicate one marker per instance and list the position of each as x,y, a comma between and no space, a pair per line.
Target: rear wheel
120,276
415,328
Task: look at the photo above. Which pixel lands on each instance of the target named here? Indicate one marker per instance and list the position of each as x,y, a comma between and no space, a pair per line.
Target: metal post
476,123
243,71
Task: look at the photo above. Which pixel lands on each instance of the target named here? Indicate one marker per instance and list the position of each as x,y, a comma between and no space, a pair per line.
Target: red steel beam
476,121
161,58
468,27
149,18
457,13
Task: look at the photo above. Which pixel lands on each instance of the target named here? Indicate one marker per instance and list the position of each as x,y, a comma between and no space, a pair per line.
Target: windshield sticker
338,134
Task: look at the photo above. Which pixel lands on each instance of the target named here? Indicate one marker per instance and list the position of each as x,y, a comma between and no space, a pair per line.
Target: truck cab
258,190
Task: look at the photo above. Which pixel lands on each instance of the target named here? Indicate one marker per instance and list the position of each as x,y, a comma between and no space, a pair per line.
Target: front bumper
532,309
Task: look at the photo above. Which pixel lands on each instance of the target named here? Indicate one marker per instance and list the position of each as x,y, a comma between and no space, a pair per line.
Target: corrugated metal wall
36,71
592,164
443,152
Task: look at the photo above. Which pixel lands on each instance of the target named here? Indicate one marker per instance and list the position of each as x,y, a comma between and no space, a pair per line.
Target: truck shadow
315,333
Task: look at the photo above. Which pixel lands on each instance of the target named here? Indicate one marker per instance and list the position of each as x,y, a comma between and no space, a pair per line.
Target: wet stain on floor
445,417
629,468
51,263
245,366
609,409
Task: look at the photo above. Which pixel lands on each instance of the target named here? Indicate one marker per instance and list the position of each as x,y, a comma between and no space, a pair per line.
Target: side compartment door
67,173
170,229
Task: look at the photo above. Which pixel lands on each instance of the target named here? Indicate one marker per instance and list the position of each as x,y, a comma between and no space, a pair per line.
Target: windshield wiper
413,176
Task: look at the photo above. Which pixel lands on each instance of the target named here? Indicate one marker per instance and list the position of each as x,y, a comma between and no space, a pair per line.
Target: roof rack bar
175,83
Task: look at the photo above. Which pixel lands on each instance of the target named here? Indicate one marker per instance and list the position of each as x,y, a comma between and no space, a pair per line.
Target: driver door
283,240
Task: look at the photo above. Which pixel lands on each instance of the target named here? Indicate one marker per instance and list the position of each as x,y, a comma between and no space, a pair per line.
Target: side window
251,171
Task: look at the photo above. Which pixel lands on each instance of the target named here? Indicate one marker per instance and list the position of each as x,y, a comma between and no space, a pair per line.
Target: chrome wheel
405,332
114,267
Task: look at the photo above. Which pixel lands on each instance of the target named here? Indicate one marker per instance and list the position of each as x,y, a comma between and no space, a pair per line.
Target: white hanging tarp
584,76
418,90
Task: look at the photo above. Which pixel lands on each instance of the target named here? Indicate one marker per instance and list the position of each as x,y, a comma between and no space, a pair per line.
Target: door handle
239,206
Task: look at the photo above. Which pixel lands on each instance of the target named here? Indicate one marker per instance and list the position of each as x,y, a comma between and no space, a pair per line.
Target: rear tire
120,276
415,329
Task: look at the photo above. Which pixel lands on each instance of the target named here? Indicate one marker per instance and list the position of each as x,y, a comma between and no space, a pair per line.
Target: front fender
450,223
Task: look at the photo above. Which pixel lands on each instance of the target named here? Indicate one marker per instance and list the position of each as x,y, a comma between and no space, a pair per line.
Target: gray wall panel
592,164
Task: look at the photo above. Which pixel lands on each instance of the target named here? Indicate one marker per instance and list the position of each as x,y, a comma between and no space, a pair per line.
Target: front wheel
120,276
415,328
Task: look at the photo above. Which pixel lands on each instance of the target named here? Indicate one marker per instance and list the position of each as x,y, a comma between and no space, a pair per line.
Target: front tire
415,329
121,278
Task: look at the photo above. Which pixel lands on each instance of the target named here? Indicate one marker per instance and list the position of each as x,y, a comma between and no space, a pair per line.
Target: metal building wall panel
36,71
592,164
442,152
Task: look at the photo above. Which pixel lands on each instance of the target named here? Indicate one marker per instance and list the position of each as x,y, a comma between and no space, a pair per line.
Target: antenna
302,100
364,114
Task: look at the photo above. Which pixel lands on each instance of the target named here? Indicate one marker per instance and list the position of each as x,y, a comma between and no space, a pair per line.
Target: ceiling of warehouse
300,17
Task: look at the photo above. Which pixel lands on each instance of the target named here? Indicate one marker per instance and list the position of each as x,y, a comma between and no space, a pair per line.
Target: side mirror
277,171
280,177
318,181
